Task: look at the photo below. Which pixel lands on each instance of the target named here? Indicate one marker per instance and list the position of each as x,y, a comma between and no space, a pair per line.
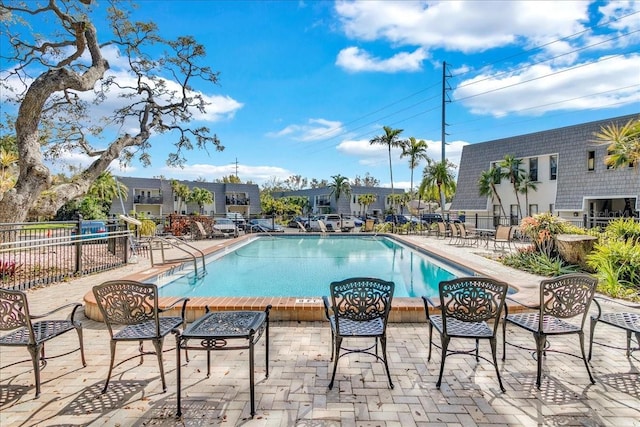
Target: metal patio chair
16,317
629,321
466,305
359,308
563,309
135,305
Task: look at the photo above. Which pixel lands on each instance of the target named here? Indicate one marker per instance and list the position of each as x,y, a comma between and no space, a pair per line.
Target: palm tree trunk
390,169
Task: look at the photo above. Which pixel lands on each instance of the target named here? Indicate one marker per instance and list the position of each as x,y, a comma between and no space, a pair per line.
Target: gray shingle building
568,168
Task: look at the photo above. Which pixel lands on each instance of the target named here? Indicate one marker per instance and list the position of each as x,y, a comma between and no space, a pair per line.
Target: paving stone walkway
296,393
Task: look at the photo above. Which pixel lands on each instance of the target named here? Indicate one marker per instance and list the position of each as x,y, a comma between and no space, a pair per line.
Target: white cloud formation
313,130
612,80
257,174
355,59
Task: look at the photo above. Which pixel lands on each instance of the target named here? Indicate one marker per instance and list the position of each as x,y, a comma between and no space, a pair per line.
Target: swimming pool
303,266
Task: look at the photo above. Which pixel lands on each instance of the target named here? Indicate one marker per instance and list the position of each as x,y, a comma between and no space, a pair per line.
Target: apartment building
568,168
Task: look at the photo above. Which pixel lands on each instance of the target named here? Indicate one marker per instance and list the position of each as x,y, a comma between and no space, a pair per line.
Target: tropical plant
440,175
527,185
512,170
621,257
63,65
416,151
623,143
542,229
181,191
339,186
626,229
8,268
391,139
201,197
487,186
398,200
366,200
106,188
147,228
538,263
8,170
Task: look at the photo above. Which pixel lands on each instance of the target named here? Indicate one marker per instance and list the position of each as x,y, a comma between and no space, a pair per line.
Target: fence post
78,244
584,220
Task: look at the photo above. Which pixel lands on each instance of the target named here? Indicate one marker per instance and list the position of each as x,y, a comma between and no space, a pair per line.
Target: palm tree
440,175
201,197
339,186
624,143
526,185
8,170
390,139
512,170
416,151
106,188
487,186
366,200
181,191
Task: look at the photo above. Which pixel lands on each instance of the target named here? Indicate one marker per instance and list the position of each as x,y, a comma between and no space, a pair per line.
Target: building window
553,167
551,208
514,214
533,210
533,169
591,160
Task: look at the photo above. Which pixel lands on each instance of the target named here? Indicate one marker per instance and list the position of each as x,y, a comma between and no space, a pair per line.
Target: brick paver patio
296,394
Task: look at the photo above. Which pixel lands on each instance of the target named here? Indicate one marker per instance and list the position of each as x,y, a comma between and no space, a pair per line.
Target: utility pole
236,167
445,99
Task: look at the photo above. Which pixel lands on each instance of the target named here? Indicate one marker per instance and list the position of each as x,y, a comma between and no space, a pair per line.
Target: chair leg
628,343
541,341
141,351
637,341
333,344
338,343
594,322
584,357
493,344
383,344
113,355
157,344
477,350
79,331
504,339
34,351
445,345
430,341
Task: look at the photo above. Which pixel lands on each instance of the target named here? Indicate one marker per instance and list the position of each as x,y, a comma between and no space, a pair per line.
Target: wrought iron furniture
359,308
466,305
135,305
563,309
625,320
16,317
215,330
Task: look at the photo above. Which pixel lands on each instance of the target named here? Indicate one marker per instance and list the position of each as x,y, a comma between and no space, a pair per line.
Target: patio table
225,330
485,234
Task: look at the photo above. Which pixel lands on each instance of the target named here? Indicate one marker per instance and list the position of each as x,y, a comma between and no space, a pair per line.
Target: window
551,208
553,167
533,169
591,160
533,210
514,214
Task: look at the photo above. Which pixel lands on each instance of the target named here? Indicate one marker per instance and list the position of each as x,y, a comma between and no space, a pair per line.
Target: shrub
626,229
617,260
543,227
529,259
8,268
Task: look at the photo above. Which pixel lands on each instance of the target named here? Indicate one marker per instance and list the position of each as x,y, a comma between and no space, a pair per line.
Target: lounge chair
301,227
443,230
504,235
464,235
322,226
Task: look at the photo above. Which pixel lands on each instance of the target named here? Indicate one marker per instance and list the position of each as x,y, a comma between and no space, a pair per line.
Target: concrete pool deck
311,309
296,393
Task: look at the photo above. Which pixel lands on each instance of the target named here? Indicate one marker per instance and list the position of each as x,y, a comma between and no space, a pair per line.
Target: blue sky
304,85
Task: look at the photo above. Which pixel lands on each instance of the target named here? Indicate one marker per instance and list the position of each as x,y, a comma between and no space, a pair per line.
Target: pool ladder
159,243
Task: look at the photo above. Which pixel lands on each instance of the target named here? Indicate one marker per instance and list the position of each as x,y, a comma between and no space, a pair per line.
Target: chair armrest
75,306
602,299
173,304
327,306
428,302
532,307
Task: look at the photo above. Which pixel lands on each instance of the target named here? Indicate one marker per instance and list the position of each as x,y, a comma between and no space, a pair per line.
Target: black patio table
219,330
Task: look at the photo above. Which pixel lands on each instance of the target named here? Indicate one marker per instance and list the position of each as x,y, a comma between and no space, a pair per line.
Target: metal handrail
171,241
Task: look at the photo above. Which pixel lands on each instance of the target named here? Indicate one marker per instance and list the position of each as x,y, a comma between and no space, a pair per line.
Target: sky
305,85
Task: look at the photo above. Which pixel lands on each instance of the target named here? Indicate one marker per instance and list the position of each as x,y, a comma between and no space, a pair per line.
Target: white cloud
355,59
598,84
257,174
313,130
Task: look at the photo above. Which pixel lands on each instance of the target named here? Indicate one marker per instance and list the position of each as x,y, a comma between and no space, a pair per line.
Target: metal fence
33,254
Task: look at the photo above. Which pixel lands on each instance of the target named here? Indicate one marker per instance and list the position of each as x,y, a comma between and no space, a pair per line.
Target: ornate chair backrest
472,299
567,296
127,302
361,299
14,312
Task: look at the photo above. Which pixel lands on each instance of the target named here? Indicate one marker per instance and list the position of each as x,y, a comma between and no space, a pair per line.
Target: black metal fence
33,254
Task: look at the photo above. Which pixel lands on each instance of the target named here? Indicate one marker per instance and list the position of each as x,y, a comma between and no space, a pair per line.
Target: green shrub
626,229
543,228
619,260
529,259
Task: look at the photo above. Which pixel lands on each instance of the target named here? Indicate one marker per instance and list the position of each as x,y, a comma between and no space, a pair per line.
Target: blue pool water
297,266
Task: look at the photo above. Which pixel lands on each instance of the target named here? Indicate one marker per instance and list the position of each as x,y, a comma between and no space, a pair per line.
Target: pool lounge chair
504,235
301,226
322,226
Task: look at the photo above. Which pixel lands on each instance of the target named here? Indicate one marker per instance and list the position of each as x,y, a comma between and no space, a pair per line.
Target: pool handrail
171,241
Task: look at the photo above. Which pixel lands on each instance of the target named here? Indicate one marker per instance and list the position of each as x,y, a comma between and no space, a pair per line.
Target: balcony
147,200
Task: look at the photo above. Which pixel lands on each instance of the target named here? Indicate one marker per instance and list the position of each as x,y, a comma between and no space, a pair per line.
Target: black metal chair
15,317
563,309
620,318
135,305
359,308
466,305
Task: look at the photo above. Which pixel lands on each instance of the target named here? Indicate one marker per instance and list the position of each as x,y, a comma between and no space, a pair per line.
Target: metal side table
218,330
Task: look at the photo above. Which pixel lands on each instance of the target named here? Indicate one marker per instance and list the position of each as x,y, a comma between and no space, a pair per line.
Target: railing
480,221
158,243
148,200
33,254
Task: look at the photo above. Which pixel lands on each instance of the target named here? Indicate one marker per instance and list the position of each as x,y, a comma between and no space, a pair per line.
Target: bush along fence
33,254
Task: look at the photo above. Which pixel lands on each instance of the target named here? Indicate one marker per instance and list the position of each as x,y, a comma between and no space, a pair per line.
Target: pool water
296,266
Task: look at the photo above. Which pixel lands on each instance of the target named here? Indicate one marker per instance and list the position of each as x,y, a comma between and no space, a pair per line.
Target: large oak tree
58,77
